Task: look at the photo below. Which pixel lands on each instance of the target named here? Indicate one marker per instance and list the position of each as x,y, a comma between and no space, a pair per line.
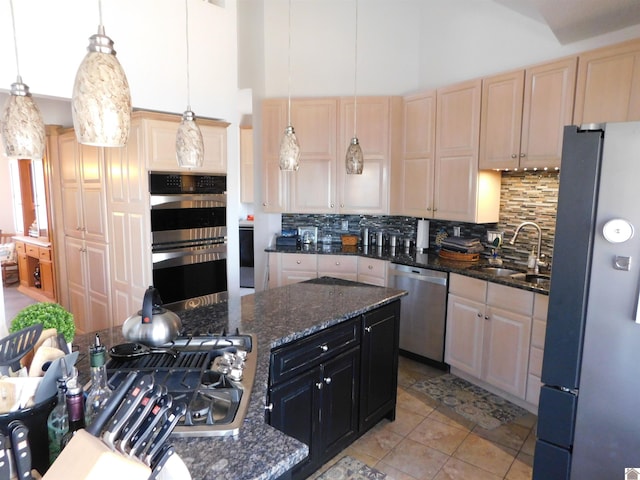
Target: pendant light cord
289,70
15,40
100,12
186,8
355,79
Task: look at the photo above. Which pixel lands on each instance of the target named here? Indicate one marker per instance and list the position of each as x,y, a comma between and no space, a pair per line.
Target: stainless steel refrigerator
589,413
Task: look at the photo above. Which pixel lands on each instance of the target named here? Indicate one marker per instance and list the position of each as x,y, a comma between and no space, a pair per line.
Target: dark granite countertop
276,317
429,260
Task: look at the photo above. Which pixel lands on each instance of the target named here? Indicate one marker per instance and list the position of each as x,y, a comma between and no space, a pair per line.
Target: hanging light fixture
289,146
23,133
354,160
189,144
101,100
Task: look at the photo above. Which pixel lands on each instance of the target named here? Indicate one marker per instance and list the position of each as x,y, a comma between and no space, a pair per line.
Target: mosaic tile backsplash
524,196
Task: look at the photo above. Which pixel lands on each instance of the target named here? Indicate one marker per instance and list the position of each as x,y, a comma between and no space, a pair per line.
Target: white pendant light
354,159
101,100
23,132
289,147
189,143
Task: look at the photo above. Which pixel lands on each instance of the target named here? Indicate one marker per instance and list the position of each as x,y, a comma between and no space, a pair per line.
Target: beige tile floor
428,441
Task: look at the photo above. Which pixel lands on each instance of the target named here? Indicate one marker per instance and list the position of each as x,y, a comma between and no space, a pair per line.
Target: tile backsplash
524,196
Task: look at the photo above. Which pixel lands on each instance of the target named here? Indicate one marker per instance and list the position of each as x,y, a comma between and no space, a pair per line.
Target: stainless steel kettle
153,325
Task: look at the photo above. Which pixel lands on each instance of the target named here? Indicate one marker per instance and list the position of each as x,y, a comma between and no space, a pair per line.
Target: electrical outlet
345,225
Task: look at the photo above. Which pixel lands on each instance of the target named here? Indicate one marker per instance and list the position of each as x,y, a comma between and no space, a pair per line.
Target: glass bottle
75,409
58,421
99,392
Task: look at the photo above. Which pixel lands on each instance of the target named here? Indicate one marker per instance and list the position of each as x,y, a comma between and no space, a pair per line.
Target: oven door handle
188,257
159,202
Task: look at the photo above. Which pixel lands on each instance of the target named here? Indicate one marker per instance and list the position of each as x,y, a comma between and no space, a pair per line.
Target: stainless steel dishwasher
423,311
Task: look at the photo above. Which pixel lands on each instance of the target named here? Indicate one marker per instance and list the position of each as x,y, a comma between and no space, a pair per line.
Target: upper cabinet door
548,106
316,125
275,183
608,85
501,120
412,174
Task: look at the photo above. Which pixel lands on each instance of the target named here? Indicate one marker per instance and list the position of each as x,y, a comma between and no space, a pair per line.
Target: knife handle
129,404
5,469
95,427
21,450
158,463
173,417
141,439
138,416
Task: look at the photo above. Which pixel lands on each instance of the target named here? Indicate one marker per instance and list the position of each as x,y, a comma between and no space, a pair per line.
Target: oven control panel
177,183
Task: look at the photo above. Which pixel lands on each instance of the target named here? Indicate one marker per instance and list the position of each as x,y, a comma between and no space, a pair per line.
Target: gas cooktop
213,374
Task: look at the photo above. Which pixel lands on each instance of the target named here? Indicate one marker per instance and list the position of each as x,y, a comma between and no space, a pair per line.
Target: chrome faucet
537,227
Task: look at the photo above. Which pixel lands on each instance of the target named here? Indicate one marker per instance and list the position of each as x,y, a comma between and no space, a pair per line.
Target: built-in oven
189,238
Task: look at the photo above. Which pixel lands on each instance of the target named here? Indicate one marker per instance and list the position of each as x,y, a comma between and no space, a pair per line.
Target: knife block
88,458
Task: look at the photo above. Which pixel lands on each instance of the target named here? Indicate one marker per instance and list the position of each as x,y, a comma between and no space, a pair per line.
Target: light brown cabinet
461,191
608,85
324,127
523,116
32,255
338,266
246,164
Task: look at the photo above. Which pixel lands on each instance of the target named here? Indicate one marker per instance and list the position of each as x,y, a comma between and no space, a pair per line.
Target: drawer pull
327,380
269,408
486,317
367,329
337,263
479,314
298,262
319,385
324,348
370,267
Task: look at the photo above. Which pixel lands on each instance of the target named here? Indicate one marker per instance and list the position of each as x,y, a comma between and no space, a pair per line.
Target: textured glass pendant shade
189,144
101,101
289,151
354,159
23,132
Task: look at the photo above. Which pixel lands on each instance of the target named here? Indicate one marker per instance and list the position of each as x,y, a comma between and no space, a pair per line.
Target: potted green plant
50,315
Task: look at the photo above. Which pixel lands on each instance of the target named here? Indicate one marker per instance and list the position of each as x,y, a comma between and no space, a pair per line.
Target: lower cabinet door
339,412
379,367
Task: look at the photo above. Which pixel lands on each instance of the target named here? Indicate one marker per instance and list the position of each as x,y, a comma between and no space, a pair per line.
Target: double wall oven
189,238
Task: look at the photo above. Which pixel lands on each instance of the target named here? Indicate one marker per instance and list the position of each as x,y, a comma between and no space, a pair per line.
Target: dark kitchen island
276,317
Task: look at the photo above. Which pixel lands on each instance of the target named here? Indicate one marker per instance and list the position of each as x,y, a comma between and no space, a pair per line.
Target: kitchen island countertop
276,317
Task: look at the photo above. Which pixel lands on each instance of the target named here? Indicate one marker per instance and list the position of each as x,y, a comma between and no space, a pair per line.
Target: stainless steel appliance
588,422
189,238
423,312
246,257
212,373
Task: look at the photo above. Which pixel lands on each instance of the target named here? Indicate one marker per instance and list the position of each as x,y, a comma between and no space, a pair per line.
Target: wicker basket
349,240
459,256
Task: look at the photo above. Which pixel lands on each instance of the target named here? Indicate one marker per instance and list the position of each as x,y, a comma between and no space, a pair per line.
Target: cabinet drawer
341,264
541,306
468,287
535,361
372,267
533,389
20,247
44,254
299,261
32,251
288,361
510,298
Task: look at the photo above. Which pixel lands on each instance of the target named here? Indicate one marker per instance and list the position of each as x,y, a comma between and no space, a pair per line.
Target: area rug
472,402
348,468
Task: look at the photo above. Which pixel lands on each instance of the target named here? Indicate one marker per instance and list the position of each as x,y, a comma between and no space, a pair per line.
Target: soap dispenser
531,261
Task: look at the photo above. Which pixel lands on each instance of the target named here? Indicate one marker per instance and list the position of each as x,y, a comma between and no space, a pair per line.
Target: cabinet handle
319,385
523,155
479,314
428,209
435,209
370,267
327,380
298,262
324,348
342,205
338,263
331,205
367,329
264,204
513,155
486,317
269,408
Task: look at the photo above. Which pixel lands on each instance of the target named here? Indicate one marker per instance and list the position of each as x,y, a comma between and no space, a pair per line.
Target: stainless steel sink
535,278
499,271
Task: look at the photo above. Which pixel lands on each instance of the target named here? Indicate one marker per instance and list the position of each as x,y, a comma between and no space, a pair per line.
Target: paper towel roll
422,240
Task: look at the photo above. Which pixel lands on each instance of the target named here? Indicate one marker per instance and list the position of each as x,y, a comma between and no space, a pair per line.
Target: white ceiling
574,20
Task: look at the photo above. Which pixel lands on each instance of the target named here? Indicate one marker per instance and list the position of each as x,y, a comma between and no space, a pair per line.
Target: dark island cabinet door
339,412
295,411
379,371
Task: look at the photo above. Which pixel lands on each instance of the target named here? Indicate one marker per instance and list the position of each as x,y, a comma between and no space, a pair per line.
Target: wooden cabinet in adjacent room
35,268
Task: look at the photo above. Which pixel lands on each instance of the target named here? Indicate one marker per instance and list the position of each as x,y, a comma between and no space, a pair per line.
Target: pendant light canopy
23,132
354,160
189,143
289,147
101,100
